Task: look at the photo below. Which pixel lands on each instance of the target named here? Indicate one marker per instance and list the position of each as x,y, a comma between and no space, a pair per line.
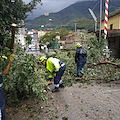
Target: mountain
76,12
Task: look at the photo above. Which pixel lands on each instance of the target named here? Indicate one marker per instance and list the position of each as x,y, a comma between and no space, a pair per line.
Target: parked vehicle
31,47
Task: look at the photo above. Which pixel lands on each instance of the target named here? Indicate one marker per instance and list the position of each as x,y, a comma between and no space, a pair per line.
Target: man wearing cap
56,69
80,59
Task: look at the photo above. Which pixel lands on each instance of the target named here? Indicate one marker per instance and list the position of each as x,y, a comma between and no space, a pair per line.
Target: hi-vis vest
52,65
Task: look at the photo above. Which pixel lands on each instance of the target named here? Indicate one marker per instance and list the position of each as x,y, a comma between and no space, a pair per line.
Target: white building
21,35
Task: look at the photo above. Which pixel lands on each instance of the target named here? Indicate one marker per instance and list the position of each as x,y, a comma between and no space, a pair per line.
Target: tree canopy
13,11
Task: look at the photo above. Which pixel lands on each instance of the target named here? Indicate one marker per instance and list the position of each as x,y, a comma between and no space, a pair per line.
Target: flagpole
100,19
106,19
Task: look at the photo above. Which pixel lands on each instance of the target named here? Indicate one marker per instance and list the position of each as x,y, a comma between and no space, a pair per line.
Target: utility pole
75,32
100,19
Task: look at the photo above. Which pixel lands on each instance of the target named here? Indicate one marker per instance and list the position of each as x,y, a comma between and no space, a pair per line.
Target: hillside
74,13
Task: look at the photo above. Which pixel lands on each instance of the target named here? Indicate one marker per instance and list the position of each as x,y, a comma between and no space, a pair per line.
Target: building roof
112,15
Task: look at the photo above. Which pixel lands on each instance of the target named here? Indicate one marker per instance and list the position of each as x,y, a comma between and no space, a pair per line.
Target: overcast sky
50,6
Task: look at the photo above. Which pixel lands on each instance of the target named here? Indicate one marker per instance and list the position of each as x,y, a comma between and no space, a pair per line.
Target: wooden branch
104,62
76,78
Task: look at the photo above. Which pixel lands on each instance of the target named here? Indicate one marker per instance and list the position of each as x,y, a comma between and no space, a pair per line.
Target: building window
111,26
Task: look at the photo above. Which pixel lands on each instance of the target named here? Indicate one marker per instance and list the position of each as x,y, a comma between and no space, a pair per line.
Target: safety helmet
42,59
78,45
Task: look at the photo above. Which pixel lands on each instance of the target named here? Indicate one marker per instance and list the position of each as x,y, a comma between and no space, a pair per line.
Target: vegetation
26,78
48,37
28,39
86,24
24,66
75,13
13,11
103,72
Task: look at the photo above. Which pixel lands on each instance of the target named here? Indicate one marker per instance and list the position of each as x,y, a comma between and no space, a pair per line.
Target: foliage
95,49
48,37
27,78
4,62
24,79
3,65
105,72
62,32
86,24
28,39
13,12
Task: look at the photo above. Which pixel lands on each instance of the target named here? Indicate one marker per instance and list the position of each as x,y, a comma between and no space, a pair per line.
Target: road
78,102
87,102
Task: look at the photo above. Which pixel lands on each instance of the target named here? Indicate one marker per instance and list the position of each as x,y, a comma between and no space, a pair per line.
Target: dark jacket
48,46
1,79
79,58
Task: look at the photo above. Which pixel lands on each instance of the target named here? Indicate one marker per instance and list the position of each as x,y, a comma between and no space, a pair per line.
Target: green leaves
13,12
104,72
24,79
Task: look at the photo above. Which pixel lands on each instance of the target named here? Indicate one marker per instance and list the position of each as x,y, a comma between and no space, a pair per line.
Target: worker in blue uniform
80,59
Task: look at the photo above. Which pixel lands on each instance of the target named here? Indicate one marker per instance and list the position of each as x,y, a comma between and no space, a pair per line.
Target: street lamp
94,17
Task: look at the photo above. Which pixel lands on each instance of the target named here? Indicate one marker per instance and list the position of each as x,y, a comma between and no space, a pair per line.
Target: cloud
50,6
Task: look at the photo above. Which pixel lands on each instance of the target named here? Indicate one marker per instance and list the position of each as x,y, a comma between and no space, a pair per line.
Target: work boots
55,89
61,85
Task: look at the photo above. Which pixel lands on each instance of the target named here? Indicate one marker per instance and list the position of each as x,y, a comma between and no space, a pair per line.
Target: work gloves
11,57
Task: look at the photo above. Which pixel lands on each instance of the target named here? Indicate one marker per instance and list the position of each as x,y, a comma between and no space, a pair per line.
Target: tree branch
104,62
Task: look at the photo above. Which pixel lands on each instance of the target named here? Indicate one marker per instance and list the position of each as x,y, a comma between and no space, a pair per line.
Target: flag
106,18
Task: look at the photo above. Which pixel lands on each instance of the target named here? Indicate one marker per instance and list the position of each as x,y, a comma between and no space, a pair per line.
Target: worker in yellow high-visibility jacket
56,68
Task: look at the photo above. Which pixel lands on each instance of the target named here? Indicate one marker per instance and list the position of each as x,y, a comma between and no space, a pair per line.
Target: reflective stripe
0,114
61,82
62,65
56,85
1,84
